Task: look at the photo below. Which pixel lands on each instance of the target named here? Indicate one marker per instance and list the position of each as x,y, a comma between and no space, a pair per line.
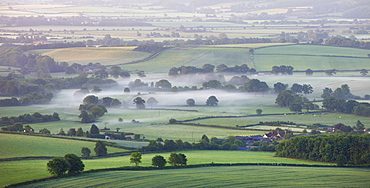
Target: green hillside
25,146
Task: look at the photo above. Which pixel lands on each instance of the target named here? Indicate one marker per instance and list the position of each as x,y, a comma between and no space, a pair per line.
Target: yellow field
84,55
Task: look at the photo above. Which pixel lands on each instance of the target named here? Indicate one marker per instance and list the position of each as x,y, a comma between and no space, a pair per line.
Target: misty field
243,176
37,168
25,146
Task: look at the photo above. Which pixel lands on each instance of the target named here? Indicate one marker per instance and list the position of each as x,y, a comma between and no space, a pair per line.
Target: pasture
29,146
37,168
243,176
307,119
301,57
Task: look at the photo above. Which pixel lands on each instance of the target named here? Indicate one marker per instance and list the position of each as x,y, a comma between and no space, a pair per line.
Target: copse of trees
93,108
296,103
255,85
347,42
343,92
282,69
347,106
176,159
340,149
58,166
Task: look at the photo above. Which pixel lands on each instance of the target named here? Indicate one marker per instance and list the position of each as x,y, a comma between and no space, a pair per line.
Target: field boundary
139,168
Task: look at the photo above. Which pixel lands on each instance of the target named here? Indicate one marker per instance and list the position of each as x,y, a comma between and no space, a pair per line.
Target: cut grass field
238,176
105,56
13,171
28,146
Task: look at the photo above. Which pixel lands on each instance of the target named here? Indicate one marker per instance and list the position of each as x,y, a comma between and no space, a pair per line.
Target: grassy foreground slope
239,176
14,171
25,146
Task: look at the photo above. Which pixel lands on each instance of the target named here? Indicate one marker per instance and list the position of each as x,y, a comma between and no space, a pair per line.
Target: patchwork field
245,176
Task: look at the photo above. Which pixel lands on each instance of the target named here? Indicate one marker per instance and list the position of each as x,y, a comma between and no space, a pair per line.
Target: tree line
340,149
26,118
208,68
15,84
204,144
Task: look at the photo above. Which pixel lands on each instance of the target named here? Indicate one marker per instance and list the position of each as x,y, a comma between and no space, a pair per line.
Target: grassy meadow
37,168
244,176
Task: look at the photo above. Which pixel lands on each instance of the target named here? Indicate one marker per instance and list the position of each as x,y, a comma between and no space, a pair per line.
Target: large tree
76,166
100,149
163,84
85,152
212,101
152,101
279,87
159,161
91,99
58,166
94,129
190,102
135,158
140,103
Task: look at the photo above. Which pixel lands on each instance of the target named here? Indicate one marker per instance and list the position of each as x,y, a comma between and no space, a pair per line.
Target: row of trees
204,144
14,84
340,149
29,118
32,98
208,68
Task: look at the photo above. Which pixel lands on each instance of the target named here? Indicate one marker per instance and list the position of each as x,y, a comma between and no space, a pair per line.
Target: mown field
242,176
105,56
26,146
37,168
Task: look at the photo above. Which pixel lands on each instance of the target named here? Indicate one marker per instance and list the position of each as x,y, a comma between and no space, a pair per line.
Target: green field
241,176
314,50
263,60
307,119
27,146
37,168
